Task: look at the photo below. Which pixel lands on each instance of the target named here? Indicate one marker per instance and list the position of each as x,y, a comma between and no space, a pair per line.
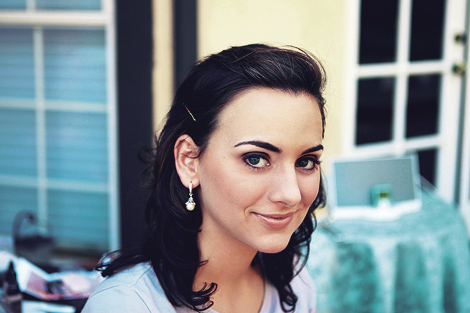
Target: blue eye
256,160
308,163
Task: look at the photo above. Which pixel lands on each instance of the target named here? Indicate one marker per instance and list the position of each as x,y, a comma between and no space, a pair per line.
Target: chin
274,247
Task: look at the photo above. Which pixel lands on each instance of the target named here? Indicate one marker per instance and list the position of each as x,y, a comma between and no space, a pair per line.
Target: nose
285,188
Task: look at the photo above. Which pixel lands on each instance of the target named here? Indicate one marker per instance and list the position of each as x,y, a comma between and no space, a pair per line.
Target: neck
227,258
229,266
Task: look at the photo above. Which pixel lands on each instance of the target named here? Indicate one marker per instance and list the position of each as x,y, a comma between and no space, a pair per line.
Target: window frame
464,192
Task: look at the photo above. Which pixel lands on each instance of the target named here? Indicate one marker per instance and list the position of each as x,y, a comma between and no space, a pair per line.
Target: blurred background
85,83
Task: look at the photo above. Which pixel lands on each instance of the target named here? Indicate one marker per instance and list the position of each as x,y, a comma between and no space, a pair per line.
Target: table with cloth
419,262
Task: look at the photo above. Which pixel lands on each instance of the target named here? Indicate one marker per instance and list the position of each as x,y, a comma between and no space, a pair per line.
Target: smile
275,221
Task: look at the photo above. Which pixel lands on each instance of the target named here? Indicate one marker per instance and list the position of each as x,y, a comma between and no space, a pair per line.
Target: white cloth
137,289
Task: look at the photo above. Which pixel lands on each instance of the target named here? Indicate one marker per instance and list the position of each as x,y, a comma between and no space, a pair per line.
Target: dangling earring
190,204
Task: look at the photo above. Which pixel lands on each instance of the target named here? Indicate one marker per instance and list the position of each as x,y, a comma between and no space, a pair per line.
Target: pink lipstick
275,221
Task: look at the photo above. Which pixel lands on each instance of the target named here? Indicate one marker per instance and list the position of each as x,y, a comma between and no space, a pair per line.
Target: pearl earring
190,204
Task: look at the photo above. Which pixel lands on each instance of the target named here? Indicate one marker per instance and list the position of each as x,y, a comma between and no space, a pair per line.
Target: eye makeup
256,160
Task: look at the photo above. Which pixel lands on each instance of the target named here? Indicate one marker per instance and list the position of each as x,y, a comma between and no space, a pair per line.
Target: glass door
404,91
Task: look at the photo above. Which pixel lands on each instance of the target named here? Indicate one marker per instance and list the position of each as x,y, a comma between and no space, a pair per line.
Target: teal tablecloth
418,263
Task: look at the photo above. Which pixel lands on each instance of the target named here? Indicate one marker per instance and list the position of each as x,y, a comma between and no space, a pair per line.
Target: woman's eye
309,163
256,161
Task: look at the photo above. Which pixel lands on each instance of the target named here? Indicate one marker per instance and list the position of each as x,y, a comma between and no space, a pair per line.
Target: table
418,263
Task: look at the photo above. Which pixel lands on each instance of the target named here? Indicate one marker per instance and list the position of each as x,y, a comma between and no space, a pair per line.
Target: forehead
272,115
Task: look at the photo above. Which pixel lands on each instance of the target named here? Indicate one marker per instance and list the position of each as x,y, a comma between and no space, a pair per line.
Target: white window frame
464,196
103,19
445,141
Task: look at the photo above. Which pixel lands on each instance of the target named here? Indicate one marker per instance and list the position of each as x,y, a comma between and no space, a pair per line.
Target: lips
275,221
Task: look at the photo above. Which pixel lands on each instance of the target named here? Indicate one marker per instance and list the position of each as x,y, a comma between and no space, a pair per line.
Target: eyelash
246,157
316,163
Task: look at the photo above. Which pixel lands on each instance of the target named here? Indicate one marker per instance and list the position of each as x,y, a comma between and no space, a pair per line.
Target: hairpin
192,116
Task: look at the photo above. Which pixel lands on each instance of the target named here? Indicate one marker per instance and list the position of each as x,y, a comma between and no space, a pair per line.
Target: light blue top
137,289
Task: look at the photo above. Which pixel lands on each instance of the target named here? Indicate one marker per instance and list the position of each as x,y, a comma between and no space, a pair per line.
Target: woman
235,180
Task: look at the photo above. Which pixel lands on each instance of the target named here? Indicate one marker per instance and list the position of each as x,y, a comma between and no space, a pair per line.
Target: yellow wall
315,25
163,59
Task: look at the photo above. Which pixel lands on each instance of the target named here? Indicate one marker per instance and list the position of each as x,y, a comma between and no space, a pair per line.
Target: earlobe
186,154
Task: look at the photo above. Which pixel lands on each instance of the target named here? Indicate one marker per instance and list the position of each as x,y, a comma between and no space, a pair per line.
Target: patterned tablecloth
418,263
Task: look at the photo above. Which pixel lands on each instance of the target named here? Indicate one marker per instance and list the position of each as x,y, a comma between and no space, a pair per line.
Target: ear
186,160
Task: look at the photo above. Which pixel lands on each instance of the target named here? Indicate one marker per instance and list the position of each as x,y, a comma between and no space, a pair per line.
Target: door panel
404,94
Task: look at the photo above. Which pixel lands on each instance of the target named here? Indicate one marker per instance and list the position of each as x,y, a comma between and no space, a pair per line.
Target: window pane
378,33
427,30
13,4
375,110
423,105
77,146
75,65
79,219
16,63
17,142
12,201
69,5
427,164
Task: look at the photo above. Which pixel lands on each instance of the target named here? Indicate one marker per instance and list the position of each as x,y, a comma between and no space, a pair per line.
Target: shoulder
135,289
304,288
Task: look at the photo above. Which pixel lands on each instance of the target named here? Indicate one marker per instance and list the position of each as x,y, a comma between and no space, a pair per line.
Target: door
405,85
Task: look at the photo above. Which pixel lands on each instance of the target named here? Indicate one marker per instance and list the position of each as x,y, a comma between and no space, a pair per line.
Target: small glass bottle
11,290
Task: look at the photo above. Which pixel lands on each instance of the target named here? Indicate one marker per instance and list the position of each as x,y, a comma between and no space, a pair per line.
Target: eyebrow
261,144
313,149
270,147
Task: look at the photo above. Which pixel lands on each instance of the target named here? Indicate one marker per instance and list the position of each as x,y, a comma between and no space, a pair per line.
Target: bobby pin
192,116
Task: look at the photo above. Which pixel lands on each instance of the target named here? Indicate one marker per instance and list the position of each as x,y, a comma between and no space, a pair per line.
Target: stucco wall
163,59
315,25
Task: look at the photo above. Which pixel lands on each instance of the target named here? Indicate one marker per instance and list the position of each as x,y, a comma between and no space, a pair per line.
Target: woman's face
260,171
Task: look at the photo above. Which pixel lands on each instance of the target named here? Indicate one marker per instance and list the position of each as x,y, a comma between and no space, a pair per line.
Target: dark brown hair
171,245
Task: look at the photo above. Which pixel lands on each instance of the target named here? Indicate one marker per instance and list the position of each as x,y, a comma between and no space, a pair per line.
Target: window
58,136
403,95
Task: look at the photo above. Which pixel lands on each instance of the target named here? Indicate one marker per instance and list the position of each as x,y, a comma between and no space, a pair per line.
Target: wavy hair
171,244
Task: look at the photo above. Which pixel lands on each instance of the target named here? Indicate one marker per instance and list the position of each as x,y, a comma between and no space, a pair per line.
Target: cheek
222,186
310,187
237,190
